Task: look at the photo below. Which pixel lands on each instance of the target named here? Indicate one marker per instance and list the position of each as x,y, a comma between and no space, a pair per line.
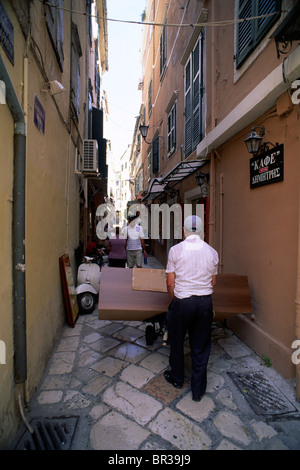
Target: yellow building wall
51,210
6,313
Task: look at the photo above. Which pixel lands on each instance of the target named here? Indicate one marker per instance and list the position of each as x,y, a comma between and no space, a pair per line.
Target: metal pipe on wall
212,202
221,225
297,313
18,228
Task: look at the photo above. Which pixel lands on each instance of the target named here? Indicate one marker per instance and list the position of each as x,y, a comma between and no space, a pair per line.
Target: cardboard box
153,280
118,300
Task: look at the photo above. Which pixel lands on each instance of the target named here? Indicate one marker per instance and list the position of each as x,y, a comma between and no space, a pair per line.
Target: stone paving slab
157,388
131,402
136,376
114,431
180,431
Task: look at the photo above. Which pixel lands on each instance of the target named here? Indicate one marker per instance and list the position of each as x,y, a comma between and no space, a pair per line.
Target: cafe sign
267,167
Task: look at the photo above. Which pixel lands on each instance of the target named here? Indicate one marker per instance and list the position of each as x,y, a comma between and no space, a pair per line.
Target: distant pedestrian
135,243
116,248
191,275
92,249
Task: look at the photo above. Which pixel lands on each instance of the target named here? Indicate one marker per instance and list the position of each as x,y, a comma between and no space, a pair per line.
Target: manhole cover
262,395
48,434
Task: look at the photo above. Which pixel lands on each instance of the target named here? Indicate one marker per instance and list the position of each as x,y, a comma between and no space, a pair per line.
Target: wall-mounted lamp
202,180
53,87
254,139
144,131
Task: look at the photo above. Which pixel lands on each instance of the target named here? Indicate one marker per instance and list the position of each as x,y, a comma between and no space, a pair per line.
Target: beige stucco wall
51,215
260,238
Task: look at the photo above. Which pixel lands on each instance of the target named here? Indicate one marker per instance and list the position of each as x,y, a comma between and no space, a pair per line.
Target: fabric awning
178,173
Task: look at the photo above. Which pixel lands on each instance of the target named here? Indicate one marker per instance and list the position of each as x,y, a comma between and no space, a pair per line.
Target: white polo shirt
134,235
194,263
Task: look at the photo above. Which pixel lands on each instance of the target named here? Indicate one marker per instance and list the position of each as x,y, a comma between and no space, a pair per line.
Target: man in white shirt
135,244
191,275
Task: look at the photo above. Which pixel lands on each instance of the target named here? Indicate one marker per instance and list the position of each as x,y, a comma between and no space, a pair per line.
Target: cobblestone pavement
106,387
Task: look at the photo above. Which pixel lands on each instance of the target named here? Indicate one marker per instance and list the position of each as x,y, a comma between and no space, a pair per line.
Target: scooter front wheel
86,302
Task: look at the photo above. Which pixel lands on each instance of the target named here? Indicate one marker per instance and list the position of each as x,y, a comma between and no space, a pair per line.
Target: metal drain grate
262,395
49,434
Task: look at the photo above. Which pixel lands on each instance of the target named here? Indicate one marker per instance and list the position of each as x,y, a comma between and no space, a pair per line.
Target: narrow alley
104,389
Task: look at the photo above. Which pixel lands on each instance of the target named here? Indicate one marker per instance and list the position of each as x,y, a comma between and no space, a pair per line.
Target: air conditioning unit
90,156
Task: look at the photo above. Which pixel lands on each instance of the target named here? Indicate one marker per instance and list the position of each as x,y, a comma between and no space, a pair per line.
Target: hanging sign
267,167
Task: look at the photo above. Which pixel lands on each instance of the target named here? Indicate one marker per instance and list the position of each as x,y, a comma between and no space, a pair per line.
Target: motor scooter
88,283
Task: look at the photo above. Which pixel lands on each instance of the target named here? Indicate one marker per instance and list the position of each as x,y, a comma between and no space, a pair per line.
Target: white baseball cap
193,223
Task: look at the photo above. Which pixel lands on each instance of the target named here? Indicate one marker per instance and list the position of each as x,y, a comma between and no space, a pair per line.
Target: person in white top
191,275
135,244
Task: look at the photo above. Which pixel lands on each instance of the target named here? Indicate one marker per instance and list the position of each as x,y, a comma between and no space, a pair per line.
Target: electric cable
151,23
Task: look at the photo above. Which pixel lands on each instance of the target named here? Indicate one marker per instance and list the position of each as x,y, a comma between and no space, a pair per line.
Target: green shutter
245,30
251,32
155,152
196,95
264,24
194,98
188,110
55,26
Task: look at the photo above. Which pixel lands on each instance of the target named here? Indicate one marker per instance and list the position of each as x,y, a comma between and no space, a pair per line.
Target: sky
125,70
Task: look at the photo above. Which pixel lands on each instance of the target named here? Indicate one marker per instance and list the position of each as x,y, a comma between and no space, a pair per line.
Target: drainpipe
212,200
297,316
18,228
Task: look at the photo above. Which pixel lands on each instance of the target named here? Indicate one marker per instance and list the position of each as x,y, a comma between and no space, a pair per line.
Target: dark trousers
193,315
116,263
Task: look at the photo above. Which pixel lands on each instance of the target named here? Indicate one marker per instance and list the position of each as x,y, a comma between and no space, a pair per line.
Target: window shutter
264,24
172,129
55,26
194,98
150,98
196,95
250,33
245,34
75,69
188,109
155,151
163,49
149,165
